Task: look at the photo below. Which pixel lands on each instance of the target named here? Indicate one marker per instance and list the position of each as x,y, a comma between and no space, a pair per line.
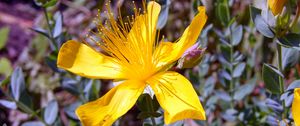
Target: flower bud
276,6
191,57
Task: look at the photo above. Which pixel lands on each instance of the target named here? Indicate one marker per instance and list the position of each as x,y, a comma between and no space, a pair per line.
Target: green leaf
51,112
237,35
70,85
226,52
26,99
293,85
8,104
263,27
288,101
209,86
271,78
4,32
17,83
51,62
70,110
290,40
260,24
244,90
239,69
5,66
223,12
148,106
290,57
230,114
58,25
163,15
88,84
144,115
50,3
40,45
33,123
268,17
41,31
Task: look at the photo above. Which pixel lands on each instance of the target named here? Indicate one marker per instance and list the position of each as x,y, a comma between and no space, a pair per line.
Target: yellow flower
295,107
276,6
135,56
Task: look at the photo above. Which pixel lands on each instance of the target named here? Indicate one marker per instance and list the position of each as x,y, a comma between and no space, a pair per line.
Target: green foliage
17,83
148,106
5,66
290,40
223,13
271,78
51,112
4,32
163,16
242,79
261,24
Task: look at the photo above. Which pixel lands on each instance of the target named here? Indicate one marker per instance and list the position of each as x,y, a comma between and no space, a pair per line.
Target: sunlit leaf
163,16
239,69
5,66
4,32
33,123
51,112
8,104
49,3
237,35
260,24
58,25
17,83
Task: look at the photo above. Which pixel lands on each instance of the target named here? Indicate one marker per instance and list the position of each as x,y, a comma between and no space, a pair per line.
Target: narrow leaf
8,104
51,112
4,32
271,78
291,40
239,69
163,16
17,83
237,35
58,25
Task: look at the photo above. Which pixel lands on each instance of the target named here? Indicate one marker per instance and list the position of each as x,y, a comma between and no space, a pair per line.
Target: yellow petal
176,96
296,106
84,61
105,110
188,38
143,32
276,6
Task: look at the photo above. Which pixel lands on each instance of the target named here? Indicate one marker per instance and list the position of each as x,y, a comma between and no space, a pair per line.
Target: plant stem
25,108
231,86
151,110
232,79
281,82
153,121
50,29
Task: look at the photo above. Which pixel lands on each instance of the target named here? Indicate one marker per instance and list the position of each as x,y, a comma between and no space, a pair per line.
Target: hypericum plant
276,22
135,56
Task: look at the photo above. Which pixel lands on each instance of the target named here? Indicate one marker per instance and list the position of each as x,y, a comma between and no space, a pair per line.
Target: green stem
50,29
153,121
231,86
232,79
151,110
281,82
